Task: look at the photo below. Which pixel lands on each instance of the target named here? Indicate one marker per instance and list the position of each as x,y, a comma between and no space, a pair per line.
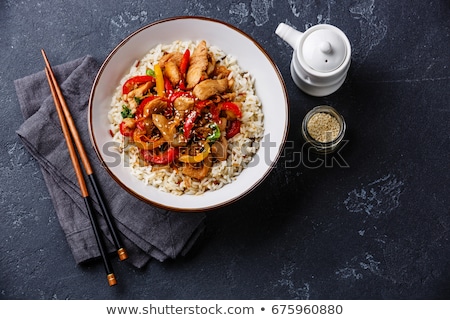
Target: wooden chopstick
122,253
84,191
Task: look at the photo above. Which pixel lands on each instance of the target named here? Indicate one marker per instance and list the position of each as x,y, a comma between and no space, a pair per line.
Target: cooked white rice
241,147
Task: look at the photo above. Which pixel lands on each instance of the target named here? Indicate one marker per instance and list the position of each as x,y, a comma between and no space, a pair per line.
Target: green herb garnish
126,112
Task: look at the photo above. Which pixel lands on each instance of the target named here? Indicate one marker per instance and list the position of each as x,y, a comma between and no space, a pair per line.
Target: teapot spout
289,34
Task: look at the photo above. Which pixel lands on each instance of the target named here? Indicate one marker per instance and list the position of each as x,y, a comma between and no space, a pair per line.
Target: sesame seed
323,127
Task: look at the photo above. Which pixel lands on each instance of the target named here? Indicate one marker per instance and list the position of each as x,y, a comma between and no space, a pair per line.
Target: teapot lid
324,48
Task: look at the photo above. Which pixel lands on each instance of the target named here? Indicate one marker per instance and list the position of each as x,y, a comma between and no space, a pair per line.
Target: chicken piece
221,72
198,64
179,140
132,104
183,104
198,172
210,87
219,149
229,96
139,92
211,64
172,72
173,56
170,63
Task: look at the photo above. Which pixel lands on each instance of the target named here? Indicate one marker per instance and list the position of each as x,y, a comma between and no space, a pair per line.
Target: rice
241,148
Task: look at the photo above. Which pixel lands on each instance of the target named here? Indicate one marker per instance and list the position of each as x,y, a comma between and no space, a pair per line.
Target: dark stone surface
376,226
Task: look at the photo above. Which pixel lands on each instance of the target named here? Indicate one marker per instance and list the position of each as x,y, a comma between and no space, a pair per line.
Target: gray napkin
146,231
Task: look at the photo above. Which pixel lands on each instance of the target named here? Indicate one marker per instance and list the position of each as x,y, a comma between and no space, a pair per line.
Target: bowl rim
164,206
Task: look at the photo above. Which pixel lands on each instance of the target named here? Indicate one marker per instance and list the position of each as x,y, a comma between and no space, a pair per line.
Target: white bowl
251,57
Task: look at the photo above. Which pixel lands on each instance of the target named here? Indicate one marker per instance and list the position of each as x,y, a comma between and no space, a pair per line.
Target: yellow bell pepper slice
159,81
197,158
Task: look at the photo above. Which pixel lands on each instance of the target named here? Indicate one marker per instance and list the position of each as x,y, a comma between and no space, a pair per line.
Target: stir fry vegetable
182,112
134,82
215,135
159,81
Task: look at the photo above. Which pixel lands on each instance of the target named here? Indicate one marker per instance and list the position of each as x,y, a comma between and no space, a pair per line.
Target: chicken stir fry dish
182,112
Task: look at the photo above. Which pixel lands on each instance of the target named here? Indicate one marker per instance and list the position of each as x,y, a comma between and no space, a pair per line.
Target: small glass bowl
323,147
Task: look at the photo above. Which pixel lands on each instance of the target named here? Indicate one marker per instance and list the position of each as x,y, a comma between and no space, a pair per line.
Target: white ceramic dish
270,88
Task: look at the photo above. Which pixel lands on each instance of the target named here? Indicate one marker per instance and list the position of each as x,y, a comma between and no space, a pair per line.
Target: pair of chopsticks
71,135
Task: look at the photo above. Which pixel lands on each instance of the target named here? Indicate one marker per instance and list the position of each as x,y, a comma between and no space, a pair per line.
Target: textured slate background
375,228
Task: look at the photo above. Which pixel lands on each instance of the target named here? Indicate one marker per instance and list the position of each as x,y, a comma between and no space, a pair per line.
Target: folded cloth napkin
146,231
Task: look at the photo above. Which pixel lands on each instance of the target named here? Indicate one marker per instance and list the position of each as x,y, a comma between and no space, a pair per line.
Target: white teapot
321,57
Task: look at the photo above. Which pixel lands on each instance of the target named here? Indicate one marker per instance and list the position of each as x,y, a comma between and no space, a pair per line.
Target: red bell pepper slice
126,127
233,129
164,157
134,82
189,123
144,125
233,107
168,86
201,104
183,68
215,113
174,96
185,62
